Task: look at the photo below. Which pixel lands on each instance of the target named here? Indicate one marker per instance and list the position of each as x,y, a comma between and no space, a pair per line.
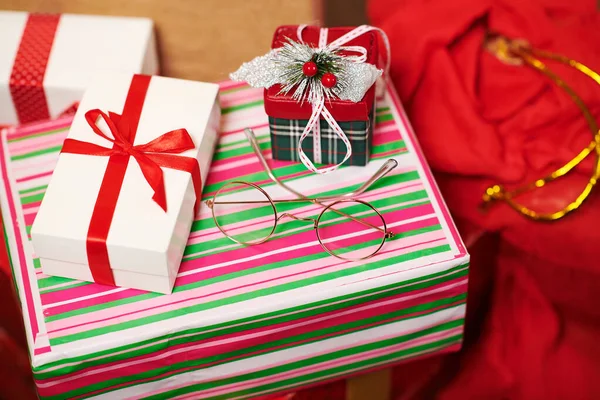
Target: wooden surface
375,385
198,39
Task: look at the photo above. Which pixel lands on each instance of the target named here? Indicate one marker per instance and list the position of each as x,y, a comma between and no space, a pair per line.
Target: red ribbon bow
150,156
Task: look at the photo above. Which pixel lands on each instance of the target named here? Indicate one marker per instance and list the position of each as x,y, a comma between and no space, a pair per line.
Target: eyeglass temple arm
385,168
381,172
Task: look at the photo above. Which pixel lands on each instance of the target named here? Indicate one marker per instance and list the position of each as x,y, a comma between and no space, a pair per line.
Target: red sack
481,122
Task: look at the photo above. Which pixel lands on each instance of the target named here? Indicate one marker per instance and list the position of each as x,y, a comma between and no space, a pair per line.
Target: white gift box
82,46
145,244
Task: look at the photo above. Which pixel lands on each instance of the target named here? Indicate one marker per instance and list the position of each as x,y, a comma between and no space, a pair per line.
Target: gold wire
518,52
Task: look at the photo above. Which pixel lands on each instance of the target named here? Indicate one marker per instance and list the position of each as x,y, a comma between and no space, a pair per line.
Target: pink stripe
227,85
392,153
38,127
29,218
240,130
381,138
36,176
44,142
42,350
190,298
232,342
244,157
428,174
31,205
385,124
241,97
31,311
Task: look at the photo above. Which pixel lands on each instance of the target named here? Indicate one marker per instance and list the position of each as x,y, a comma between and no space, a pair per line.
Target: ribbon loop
173,142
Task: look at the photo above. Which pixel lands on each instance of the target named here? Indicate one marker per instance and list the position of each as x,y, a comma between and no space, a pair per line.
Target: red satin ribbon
29,68
151,156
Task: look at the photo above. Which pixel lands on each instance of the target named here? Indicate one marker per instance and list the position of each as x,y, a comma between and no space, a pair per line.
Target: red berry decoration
309,69
328,80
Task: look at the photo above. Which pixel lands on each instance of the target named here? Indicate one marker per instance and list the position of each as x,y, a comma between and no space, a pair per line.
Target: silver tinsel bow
284,66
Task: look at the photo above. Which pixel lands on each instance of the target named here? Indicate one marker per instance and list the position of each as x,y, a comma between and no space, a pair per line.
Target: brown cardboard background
198,39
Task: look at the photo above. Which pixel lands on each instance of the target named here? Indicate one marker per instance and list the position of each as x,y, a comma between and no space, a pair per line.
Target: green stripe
387,147
44,283
258,321
54,149
238,107
33,198
384,118
34,189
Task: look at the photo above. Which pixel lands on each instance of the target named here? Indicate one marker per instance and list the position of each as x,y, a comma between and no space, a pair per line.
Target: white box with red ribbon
120,204
46,60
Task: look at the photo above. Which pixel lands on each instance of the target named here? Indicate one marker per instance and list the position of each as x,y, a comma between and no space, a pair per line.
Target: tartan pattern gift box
319,93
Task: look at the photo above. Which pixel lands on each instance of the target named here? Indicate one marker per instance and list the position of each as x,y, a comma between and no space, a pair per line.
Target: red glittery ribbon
160,152
29,68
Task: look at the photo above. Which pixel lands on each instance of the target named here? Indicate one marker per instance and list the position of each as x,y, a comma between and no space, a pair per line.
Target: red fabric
283,106
481,122
160,152
29,68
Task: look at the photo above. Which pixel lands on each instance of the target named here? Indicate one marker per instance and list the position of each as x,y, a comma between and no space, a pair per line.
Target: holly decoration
310,73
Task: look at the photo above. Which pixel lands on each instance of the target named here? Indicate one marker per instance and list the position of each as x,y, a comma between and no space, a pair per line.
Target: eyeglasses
347,228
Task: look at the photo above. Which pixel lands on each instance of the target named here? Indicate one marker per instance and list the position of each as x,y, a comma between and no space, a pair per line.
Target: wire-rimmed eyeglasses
347,228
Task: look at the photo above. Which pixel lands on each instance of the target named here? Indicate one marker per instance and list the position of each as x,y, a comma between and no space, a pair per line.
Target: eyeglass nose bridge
295,217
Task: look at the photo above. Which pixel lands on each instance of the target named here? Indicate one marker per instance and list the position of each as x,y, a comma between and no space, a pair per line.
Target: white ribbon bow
260,73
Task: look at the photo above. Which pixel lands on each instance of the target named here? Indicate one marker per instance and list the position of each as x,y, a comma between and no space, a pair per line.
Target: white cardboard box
145,244
83,45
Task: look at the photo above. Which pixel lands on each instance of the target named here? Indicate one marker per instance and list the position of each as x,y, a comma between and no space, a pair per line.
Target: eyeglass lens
244,213
353,238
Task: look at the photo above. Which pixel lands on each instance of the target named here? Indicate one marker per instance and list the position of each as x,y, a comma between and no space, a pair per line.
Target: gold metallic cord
518,52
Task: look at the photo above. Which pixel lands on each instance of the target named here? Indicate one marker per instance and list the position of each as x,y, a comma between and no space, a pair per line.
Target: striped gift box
244,321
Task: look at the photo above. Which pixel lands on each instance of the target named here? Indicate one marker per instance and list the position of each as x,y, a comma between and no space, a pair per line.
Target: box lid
283,106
